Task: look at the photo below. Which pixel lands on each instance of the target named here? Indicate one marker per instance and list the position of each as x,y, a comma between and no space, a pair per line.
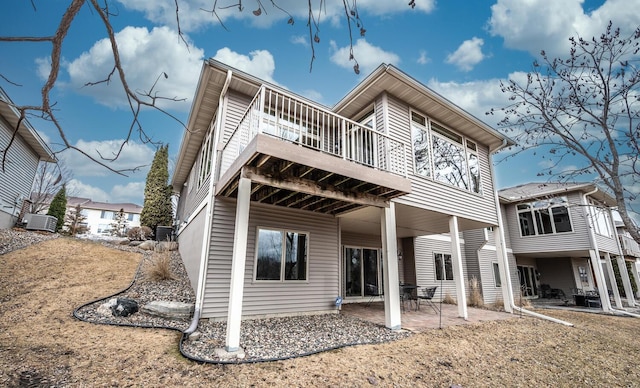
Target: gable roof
390,79
535,190
26,131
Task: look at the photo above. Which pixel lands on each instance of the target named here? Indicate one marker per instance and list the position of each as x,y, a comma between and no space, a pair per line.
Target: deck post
390,268
503,266
458,274
626,282
596,264
236,288
612,280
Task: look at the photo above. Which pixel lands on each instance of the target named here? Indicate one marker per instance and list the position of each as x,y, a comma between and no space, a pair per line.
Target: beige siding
361,240
578,239
17,177
266,298
190,246
486,258
437,196
425,247
606,244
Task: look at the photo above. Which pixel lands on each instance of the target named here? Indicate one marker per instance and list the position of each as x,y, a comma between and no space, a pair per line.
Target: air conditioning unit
41,222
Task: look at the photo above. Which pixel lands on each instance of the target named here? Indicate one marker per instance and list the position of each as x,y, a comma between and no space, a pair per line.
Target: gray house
21,149
564,241
287,206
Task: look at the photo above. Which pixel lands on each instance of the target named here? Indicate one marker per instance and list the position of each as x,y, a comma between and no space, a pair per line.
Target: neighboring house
287,205
100,216
630,248
563,237
20,153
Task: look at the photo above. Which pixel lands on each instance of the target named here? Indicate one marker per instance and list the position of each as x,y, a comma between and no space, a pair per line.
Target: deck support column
503,266
612,281
626,282
458,273
391,279
236,288
596,264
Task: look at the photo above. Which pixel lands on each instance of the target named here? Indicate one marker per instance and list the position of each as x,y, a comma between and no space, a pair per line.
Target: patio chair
373,292
427,295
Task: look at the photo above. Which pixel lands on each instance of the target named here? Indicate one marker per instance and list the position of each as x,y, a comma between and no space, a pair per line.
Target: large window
546,216
600,219
362,272
281,255
444,266
206,154
444,155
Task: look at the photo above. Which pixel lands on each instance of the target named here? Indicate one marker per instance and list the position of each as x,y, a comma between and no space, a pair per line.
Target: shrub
139,233
159,268
448,299
475,296
498,305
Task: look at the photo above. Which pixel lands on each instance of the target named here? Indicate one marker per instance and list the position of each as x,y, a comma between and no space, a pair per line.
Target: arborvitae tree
58,207
75,221
119,223
156,209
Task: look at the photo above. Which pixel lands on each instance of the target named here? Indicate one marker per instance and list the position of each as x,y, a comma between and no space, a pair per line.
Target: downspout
503,249
208,224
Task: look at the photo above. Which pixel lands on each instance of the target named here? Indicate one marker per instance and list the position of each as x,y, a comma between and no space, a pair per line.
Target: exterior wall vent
41,222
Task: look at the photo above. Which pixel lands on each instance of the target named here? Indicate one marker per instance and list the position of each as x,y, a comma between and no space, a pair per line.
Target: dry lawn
41,342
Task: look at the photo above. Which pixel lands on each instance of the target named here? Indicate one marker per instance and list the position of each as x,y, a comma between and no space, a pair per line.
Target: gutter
510,304
204,257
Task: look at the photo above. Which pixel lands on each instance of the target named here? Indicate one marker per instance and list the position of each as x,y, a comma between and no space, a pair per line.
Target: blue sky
461,49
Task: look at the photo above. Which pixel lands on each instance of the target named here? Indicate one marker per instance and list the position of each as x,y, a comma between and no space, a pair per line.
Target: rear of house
565,243
289,207
21,149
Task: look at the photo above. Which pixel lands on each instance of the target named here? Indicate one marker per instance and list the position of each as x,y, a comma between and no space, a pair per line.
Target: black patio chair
373,292
427,295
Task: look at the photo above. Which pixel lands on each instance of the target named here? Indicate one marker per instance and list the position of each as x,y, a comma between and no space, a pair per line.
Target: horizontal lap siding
425,248
19,171
265,298
236,105
606,244
486,258
577,240
190,246
441,197
361,240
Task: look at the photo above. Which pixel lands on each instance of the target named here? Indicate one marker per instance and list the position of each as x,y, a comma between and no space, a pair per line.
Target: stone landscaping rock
168,309
135,243
124,307
105,308
148,245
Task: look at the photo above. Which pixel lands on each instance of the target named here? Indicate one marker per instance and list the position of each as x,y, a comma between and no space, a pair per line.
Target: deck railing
629,246
286,117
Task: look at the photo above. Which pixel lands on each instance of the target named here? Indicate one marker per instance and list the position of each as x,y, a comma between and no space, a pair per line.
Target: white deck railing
629,246
283,116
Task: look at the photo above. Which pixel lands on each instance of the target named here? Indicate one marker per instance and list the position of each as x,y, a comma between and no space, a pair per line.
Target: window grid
548,216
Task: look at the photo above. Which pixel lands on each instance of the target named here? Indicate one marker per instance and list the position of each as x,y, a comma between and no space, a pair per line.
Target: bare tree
50,177
584,111
138,100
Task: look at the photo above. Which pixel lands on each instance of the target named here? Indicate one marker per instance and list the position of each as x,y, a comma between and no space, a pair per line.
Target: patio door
362,272
528,281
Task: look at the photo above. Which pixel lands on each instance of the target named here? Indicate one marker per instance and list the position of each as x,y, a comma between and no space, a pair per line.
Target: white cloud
301,40
131,192
76,188
536,25
145,56
194,16
259,63
133,155
368,56
423,59
43,67
467,55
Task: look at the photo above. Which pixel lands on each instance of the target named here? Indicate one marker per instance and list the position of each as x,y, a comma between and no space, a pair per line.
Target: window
443,155
107,215
496,275
546,216
206,153
281,255
444,266
130,217
362,272
599,219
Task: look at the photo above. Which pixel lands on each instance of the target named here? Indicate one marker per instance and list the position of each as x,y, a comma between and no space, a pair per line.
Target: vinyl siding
606,244
425,247
236,105
578,239
190,246
17,178
271,298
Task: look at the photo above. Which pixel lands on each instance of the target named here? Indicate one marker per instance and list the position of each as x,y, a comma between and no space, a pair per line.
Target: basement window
281,255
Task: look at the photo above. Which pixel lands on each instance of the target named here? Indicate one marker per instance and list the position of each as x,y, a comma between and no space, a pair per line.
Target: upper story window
443,155
281,255
206,153
544,217
107,215
599,218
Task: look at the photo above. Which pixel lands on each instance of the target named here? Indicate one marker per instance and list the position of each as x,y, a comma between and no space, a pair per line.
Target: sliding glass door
362,272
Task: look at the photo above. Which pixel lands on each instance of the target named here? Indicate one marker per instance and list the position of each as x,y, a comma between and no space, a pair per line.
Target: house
630,247
564,239
289,207
100,216
21,149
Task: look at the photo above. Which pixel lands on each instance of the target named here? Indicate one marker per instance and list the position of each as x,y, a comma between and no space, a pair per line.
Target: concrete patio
425,318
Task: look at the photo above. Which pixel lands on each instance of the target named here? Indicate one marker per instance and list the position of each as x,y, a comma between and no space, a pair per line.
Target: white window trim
532,211
282,266
444,267
464,145
495,283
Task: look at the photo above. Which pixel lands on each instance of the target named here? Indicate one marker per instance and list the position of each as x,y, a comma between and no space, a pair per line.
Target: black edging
185,336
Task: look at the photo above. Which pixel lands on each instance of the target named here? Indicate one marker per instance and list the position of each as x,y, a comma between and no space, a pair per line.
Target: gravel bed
261,339
14,239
